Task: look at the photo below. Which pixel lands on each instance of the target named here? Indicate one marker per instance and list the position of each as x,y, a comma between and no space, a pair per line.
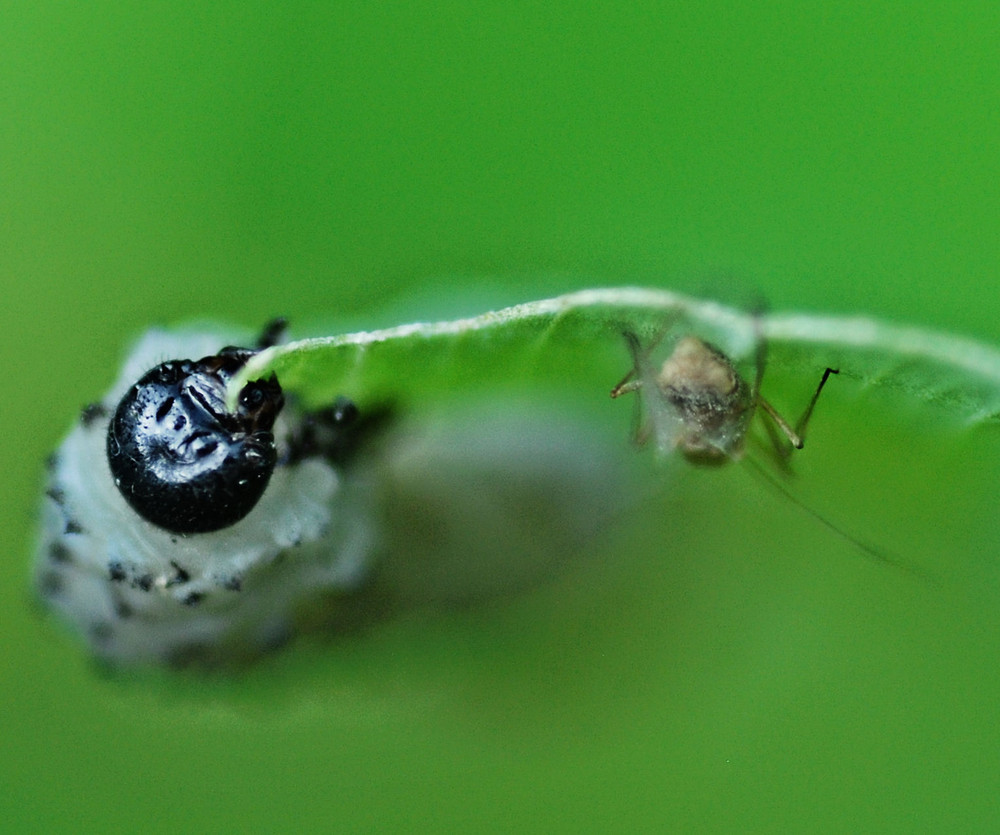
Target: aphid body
713,402
210,552
701,404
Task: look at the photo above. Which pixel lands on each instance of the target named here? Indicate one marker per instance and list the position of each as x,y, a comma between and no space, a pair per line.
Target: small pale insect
174,530
701,404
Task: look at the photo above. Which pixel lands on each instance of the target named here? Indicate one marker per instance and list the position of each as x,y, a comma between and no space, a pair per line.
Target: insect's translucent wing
662,421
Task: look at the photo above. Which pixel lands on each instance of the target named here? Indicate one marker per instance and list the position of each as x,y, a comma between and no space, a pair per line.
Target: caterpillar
175,531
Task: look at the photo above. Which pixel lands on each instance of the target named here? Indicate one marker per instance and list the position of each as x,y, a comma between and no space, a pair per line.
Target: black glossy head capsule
180,458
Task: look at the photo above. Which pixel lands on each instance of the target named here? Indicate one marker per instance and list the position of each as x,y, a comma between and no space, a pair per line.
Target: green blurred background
719,661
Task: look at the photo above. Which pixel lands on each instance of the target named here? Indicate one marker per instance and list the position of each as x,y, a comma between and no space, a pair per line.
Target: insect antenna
800,427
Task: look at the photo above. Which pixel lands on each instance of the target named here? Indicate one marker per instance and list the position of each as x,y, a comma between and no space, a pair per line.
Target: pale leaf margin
959,374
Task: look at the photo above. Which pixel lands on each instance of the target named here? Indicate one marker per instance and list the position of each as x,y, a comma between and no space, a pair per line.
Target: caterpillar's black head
180,458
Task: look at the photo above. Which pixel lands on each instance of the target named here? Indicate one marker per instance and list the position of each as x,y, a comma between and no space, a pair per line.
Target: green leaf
581,332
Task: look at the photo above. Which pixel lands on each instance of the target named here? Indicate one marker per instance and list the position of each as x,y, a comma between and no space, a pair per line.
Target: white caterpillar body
139,593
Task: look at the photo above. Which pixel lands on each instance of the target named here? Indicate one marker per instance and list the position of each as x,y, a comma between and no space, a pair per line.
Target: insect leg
781,423
336,432
273,333
796,436
760,360
628,383
780,448
632,383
